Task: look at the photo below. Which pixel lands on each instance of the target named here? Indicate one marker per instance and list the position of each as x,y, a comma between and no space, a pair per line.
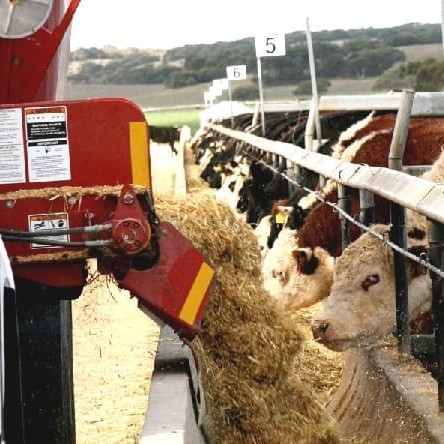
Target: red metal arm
25,62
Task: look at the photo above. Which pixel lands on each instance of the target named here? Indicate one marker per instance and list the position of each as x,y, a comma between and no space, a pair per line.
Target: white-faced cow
320,234
360,309
294,275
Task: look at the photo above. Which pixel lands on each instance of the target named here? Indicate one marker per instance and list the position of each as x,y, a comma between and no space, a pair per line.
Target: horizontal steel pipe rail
415,193
424,103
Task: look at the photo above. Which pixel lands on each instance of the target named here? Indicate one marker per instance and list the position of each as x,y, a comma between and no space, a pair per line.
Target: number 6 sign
270,45
237,72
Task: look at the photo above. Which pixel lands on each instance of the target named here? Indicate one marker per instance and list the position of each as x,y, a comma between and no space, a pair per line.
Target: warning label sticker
12,151
47,144
42,222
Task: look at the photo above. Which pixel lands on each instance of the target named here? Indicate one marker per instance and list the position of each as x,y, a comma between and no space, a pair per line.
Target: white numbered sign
237,72
220,84
270,45
215,91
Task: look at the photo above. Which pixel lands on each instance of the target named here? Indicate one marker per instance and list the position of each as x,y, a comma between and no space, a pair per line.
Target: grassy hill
144,95
157,96
419,52
147,96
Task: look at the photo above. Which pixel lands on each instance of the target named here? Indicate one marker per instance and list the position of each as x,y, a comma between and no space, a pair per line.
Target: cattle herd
299,235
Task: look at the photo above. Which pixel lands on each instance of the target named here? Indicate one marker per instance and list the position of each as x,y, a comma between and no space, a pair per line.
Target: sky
165,24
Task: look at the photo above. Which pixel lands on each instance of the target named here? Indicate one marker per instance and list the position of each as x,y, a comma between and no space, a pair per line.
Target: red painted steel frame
98,133
104,149
28,68
163,288
29,71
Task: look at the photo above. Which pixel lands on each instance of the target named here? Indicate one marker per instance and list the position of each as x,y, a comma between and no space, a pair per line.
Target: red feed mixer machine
75,184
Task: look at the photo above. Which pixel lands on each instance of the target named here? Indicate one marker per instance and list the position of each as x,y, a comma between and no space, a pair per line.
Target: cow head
298,277
279,217
360,309
296,217
249,203
244,197
262,234
285,215
260,173
276,188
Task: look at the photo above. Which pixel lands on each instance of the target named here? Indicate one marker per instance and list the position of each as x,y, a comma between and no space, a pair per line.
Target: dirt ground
114,348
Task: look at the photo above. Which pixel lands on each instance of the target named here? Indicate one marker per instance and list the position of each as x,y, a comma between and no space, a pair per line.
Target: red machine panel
63,164
75,182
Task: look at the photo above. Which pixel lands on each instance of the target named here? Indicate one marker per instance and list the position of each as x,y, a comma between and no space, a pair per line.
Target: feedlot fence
402,190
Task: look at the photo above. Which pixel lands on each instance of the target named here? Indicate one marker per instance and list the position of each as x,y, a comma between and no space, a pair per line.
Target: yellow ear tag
217,168
281,218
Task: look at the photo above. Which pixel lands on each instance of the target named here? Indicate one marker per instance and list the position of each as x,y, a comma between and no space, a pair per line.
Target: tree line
358,53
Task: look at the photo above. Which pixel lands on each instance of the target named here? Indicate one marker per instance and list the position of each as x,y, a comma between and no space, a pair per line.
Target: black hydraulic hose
58,243
55,231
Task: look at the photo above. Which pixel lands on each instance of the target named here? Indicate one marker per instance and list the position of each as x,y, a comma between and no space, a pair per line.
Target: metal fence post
398,220
366,207
344,203
399,237
436,257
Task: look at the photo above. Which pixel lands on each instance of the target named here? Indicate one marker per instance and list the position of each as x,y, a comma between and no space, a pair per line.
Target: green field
157,96
175,117
146,96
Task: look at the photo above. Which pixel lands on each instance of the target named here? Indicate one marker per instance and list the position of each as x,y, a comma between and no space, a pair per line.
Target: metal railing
403,191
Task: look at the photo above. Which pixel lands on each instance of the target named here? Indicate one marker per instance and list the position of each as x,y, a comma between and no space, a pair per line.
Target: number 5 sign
237,72
270,45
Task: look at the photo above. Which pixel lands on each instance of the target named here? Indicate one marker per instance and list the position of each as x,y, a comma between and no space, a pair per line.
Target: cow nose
319,328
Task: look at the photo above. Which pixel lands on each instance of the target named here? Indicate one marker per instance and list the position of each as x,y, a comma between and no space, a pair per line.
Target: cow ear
416,233
297,217
414,268
305,263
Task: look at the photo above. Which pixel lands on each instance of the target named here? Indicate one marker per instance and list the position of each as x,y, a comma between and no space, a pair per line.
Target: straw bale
212,229
52,257
67,191
322,368
250,349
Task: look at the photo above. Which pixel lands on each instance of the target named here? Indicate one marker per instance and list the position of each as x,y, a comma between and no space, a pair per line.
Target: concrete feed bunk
385,397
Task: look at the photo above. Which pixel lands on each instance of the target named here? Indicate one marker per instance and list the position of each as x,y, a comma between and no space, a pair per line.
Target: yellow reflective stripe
196,294
140,162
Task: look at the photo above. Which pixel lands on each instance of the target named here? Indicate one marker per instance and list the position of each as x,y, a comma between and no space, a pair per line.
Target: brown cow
322,229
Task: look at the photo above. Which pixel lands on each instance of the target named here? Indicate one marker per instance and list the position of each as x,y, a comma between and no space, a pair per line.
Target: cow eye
370,280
